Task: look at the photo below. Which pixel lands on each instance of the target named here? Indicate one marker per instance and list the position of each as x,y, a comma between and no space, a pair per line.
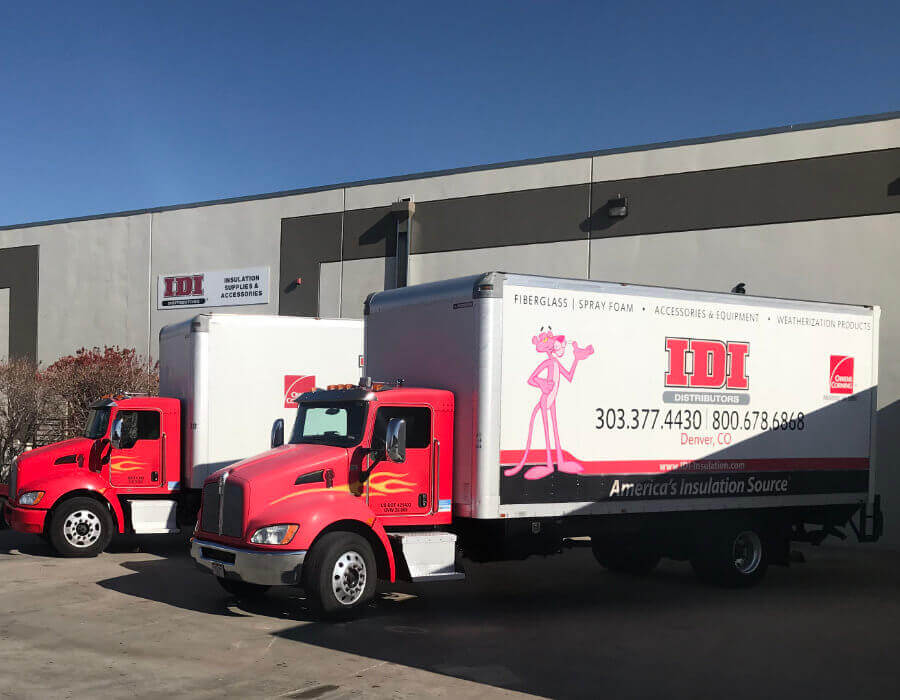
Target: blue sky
108,106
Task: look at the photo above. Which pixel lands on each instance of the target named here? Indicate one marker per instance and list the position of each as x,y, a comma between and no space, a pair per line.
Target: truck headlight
275,534
31,498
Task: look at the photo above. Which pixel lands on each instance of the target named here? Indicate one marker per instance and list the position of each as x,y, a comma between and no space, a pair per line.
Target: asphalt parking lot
141,620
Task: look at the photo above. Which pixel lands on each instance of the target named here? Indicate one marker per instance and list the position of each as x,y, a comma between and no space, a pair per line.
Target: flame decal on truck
123,464
304,492
388,483
380,484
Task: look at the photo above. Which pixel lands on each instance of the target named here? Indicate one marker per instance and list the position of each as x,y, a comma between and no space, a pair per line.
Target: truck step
427,555
153,517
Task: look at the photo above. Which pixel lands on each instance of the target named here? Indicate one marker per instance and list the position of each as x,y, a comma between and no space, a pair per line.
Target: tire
733,556
339,575
635,558
242,589
80,527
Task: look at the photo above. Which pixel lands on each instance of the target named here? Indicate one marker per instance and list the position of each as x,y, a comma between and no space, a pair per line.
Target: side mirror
277,439
395,440
99,454
115,435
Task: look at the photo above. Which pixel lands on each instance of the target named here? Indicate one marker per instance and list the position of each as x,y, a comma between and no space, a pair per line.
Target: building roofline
807,126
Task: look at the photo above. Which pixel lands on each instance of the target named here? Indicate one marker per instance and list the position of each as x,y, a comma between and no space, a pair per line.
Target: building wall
226,236
76,284
807,212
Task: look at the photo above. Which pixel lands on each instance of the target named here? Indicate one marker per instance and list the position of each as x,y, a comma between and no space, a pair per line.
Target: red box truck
140,462
519,414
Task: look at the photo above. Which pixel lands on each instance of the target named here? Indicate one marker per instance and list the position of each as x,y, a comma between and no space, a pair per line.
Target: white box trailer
237,373
580,401
224,380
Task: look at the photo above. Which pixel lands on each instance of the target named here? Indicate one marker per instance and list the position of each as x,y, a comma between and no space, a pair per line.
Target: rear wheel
242,589
339,575
80,527
733,556
626,557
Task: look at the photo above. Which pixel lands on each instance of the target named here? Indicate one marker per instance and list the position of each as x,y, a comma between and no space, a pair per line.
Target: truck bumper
26,519
275,568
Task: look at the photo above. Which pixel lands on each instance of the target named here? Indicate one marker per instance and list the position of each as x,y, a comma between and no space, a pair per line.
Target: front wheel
80,527
339,575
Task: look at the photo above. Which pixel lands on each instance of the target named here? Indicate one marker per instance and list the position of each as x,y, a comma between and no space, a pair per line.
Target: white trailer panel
678,399
235,374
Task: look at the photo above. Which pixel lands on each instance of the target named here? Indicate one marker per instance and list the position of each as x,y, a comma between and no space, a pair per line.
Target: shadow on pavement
12,541
176,581
564,628
34,545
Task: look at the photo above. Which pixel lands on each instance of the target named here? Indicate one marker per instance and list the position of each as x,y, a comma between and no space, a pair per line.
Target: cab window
418,424
138,425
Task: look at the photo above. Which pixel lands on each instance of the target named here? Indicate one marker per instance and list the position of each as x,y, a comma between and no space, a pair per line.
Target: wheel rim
746,552
82,529
348,579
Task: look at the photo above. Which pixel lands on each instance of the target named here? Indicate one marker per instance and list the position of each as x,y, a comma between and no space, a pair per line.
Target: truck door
404,488
138,459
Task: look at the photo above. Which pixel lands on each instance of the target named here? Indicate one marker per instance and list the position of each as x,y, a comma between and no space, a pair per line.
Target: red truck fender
374,532
326,511
57,490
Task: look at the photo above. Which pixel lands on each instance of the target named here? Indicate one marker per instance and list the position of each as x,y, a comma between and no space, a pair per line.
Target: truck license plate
218,569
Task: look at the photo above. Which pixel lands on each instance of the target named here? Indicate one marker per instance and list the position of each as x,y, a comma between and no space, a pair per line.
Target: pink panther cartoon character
554,346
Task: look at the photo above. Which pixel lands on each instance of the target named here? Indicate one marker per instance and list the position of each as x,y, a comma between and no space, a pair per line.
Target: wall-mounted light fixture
617,207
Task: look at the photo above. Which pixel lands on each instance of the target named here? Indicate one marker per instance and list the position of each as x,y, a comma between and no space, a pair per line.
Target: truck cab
360,490
121,475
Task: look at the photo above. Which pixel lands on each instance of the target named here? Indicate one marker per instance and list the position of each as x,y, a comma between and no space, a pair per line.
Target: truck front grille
209,516
233,510
223,508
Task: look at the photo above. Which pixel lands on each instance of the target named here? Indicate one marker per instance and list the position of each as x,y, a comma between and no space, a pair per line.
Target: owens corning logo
840,377
183,290
296,384
707,364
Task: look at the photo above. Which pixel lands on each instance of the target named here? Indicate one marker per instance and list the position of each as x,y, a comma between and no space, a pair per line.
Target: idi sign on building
216,288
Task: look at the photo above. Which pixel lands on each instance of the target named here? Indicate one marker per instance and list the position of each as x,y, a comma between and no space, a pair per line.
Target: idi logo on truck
707,364
296,384
841,374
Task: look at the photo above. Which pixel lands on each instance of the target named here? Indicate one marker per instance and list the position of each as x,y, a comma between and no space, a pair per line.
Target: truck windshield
97,422
340,424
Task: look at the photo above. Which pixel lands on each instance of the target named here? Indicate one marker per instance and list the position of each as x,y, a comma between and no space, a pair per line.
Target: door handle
435,474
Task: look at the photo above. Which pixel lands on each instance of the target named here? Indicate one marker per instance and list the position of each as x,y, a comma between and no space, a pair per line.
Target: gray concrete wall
4,324
92,283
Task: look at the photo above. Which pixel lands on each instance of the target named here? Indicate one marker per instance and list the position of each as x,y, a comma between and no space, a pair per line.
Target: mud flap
871,524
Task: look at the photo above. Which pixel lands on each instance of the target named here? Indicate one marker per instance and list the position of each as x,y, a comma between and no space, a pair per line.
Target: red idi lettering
183,286
707,364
